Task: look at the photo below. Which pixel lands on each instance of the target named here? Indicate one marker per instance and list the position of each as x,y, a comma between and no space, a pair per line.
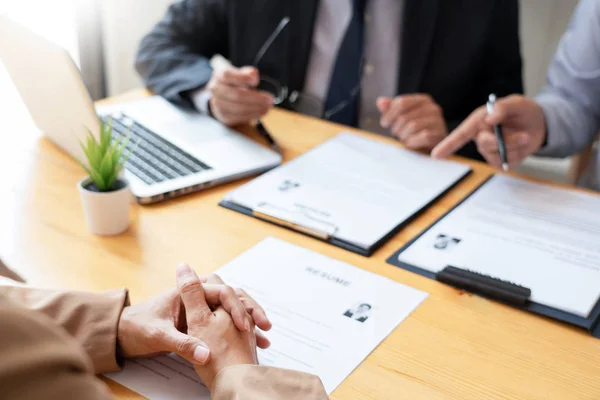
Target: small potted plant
104,193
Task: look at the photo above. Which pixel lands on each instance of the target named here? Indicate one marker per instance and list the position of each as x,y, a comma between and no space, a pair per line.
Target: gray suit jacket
571,101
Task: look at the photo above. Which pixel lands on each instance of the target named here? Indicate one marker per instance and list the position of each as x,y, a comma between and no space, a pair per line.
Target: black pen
263,131
498,131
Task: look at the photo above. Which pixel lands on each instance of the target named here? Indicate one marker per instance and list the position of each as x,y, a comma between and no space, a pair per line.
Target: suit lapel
303,15
418,28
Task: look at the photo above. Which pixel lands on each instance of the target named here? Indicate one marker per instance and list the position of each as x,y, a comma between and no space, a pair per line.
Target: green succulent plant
106,157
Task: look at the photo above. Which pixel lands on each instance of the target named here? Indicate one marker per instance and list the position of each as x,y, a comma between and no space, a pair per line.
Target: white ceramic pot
106,213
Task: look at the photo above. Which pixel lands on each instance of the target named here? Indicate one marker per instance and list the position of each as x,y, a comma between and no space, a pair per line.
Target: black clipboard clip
486,286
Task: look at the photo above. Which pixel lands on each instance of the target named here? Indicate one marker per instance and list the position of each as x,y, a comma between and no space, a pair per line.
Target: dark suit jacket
457,51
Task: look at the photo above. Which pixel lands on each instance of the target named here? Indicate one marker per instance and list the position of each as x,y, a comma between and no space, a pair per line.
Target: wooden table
454,346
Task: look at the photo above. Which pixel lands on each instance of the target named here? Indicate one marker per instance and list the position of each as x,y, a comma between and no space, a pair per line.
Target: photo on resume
360,312
444,242
288,185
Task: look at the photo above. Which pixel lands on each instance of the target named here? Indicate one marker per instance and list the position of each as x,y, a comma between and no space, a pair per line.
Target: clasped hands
414,119
203,320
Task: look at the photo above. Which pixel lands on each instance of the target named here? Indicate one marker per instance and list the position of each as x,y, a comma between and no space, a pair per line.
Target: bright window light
54,20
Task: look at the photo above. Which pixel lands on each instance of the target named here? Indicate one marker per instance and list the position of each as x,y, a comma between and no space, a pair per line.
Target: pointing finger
462,135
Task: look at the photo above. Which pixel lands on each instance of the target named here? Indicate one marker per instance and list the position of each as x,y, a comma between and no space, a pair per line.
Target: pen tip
505,167
492,98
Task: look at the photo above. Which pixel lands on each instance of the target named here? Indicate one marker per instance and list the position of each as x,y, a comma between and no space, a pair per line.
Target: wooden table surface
454,346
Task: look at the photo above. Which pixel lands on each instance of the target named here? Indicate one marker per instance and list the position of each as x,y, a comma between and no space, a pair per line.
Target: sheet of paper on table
540,237
322,323
353,188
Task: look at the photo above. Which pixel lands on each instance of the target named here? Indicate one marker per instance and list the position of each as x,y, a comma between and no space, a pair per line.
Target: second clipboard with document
350,191
526,244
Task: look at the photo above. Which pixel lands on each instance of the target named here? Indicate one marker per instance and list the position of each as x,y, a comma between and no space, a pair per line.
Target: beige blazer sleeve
90,318
252,382
39,360
54,341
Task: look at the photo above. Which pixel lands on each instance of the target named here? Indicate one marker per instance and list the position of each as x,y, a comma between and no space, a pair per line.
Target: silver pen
498,131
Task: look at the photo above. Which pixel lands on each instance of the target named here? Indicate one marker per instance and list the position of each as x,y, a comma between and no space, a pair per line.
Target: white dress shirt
383,20
383,23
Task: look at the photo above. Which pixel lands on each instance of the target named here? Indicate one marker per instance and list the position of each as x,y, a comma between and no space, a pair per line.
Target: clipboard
329,192
590,324
326,232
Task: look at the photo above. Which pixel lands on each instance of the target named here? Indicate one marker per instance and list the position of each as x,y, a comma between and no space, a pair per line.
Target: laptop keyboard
154,159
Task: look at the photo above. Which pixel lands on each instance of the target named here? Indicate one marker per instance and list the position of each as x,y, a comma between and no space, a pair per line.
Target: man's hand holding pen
524,130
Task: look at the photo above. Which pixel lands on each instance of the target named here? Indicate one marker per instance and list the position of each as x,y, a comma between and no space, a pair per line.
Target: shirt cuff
96,325
552,142
201,98
569,126
103,348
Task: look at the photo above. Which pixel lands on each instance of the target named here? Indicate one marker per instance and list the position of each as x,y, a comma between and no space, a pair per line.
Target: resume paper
328,316
540,237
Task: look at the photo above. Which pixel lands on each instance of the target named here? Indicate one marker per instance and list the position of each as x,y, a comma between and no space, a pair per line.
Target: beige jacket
52,343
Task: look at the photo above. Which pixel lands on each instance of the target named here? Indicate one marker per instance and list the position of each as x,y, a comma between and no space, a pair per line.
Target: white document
327,317
352,188
543,238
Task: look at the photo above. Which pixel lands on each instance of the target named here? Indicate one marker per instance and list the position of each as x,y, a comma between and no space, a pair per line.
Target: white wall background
124,23
542,24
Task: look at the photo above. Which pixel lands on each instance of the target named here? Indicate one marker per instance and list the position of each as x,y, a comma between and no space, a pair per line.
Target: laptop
175,151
